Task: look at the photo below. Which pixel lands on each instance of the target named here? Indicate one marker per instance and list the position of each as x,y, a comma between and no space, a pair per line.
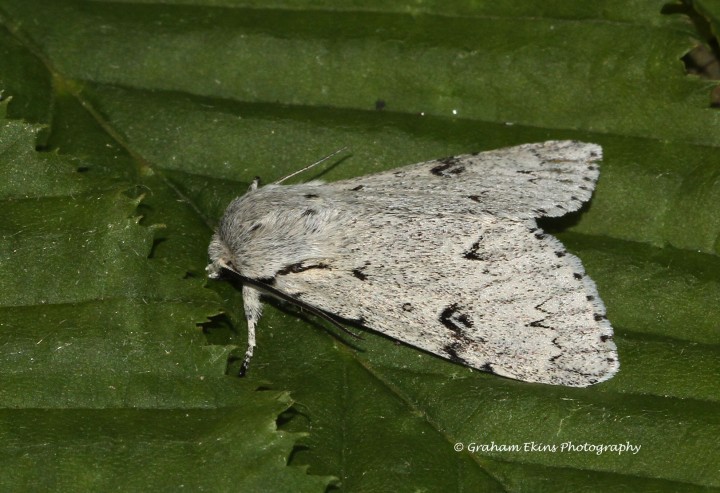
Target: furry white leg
253,312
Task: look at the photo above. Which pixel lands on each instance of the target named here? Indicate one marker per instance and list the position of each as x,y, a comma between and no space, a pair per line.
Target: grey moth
444,255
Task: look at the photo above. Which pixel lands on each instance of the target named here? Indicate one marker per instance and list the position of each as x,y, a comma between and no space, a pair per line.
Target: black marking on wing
359,272
556,344
539,306
577,275
309,212
538,323
450,166
487,367
407,307
472,253
357,188
452,351
452,318
560,253
438,170
605,338
299,267
255,227
311,196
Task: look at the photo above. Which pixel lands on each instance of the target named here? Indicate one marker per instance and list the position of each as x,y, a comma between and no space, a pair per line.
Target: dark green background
129,126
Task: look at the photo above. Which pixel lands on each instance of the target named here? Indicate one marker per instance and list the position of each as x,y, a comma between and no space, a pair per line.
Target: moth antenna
285,297
309,166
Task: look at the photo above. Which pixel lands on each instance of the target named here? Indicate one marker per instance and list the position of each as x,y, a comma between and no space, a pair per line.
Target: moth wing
492,293
531,180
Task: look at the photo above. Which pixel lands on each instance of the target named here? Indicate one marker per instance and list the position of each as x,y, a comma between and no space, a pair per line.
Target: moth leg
253,312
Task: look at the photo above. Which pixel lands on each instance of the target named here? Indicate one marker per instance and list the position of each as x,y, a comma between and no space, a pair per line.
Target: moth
444,255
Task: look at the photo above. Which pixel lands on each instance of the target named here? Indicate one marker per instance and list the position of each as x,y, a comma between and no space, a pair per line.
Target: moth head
220,258
273,227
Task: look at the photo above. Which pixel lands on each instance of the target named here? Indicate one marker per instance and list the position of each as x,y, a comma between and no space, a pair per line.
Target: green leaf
710,9
182,104
106,379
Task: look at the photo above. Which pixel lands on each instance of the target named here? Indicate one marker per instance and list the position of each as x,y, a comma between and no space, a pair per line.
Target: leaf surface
184,103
